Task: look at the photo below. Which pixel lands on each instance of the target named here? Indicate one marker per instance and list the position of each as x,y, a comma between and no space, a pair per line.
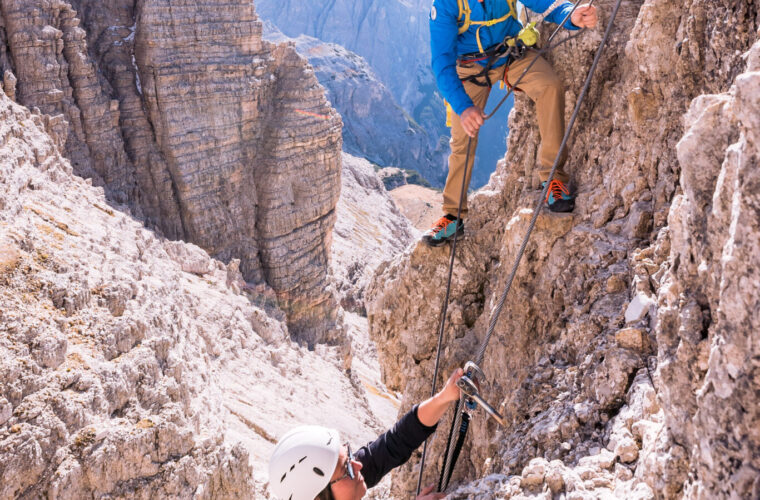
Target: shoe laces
556,188
441,224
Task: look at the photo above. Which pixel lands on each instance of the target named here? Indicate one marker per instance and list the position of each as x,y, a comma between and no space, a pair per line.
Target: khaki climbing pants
543,86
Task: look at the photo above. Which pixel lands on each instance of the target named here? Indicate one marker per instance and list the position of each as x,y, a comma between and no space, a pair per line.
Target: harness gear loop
498,51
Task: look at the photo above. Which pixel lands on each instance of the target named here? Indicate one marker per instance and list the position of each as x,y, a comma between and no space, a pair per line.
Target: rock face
707,325
131,365
375,127
625,358
212,134
369,230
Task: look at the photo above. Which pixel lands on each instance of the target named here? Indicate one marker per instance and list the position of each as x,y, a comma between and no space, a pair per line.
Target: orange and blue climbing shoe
558,197
443,230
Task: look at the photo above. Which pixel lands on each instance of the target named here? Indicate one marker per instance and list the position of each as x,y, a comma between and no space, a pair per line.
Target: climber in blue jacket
464,36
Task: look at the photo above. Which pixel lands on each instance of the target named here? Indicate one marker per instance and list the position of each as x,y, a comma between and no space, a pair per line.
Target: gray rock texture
132,366
375,127
213,135
369,231
625,360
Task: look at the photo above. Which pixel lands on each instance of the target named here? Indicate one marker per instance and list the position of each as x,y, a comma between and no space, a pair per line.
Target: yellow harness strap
464,12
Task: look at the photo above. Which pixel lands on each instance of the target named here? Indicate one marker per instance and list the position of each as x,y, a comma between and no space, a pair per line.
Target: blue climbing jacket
446,44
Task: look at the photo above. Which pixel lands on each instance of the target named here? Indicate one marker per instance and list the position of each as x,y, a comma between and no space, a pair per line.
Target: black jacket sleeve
393,448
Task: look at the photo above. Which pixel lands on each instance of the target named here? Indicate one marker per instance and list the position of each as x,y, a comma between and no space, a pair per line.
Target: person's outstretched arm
395,446
431,410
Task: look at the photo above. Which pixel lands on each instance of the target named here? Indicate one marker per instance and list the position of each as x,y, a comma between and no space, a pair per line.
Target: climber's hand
584,16
450,391
427,494
472,118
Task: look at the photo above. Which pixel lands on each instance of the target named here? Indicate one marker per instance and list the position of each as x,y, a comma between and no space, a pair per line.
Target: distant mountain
375,127
393,37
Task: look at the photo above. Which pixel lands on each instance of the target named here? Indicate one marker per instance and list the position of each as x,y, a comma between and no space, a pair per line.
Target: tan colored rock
602,460
533,474
9,257
623,473
191,258
182,111
553,478
627,449
631,338
9,84
421,205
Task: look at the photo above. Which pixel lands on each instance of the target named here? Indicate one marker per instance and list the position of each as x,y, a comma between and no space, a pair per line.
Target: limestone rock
124,375
269,194
534,473
9,257
369,229
181,111
9,84
709,295
664,239
55,73
638,308
191,258
631,338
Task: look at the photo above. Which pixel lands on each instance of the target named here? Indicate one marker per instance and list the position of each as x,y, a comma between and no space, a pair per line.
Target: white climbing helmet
303,462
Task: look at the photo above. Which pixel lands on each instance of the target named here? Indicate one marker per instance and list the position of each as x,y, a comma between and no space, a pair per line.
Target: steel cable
481,352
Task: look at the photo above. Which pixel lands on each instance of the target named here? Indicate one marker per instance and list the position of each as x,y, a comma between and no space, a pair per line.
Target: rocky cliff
181,110
375,127
369,230
132,366
626,358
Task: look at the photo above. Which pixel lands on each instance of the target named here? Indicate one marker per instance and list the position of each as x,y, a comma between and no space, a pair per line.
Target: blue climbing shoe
558,197
442,231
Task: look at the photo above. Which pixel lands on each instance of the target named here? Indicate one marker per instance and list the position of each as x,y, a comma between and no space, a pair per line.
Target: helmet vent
318,471
283,477
329,441
304,458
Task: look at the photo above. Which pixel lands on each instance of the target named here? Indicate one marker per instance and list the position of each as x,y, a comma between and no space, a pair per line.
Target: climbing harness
466,22
470,397
511,48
